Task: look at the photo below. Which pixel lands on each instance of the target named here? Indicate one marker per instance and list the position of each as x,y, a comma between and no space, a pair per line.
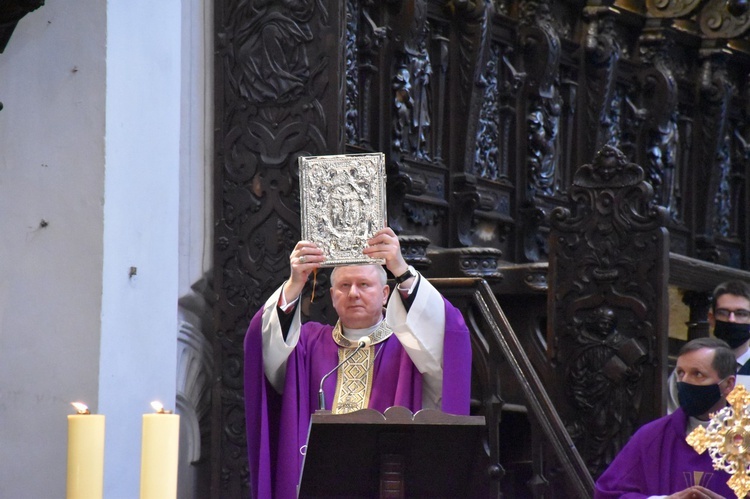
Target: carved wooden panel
607,305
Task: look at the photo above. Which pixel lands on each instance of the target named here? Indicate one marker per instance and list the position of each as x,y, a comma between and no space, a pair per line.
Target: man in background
729,318
657,462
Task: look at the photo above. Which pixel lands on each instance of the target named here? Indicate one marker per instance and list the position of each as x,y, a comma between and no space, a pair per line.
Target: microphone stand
364,342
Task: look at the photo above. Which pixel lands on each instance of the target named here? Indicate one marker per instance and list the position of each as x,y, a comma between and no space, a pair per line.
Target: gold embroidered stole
354,378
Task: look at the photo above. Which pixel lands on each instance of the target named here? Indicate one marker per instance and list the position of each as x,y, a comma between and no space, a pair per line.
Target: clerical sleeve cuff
411,289
408,295
285,307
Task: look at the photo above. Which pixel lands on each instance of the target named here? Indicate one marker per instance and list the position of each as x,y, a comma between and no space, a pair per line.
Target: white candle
85,454
159,453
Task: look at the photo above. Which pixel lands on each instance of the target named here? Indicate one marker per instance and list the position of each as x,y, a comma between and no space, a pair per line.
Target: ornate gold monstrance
727,439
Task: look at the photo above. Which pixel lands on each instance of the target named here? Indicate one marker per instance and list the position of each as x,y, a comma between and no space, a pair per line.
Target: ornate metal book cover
343,204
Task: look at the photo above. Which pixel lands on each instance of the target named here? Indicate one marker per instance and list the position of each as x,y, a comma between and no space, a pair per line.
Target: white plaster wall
52,82
141,220
89,88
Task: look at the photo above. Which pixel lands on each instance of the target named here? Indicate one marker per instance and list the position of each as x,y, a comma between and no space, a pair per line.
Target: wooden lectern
397,454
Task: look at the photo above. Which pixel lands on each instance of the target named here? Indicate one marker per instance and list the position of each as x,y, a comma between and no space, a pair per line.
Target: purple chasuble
277,425
658,461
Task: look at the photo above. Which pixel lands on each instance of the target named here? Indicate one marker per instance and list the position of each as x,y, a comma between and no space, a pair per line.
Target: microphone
364,342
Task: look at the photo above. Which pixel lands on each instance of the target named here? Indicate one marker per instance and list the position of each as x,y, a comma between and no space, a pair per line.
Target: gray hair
383,277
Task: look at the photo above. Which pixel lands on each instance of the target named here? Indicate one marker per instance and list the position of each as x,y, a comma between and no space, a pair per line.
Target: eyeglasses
740,315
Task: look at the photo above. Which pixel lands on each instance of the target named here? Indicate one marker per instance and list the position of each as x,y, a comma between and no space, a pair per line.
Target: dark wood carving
716,21
412,81
280,95
662,133
602,53
607,305
498,360
484,109
711,173
542,54
671,8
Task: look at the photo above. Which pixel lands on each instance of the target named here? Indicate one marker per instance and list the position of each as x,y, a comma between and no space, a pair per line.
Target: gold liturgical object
727,439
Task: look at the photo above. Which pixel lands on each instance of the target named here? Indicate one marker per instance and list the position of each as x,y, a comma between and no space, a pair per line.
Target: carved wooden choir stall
568,173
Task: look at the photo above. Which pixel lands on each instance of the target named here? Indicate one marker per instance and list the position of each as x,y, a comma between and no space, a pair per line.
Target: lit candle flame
159,408
80,408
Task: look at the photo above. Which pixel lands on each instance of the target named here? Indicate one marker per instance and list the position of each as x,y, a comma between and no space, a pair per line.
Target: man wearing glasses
729,317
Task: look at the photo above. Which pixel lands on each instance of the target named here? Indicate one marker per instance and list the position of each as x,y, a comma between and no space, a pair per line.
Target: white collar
742,359
694,423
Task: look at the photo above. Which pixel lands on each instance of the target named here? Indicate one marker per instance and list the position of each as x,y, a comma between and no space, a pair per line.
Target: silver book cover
343,204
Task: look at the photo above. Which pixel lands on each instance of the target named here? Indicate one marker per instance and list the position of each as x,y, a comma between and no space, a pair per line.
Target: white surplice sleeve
276,351
421,331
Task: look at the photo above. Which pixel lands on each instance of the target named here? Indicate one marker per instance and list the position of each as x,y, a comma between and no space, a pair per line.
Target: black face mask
733,333
697,399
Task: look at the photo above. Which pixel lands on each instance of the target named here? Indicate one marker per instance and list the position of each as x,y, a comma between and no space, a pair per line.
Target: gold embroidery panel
354,381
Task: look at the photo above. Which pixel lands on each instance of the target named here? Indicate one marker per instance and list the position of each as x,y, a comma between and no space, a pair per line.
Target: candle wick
81,408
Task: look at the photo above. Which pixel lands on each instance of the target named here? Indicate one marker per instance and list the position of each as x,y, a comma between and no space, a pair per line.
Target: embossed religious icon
343,204
727,439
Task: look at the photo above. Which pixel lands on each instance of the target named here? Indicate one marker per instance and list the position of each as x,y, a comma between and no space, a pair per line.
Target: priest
657,462
416,353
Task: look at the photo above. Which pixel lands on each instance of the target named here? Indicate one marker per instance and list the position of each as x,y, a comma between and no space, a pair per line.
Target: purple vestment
658,461
277,425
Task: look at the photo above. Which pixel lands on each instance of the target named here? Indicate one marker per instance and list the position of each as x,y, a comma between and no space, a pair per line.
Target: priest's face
696,368
358,293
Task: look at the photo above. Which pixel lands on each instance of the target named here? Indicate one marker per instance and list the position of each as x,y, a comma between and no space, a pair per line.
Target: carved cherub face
608,164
